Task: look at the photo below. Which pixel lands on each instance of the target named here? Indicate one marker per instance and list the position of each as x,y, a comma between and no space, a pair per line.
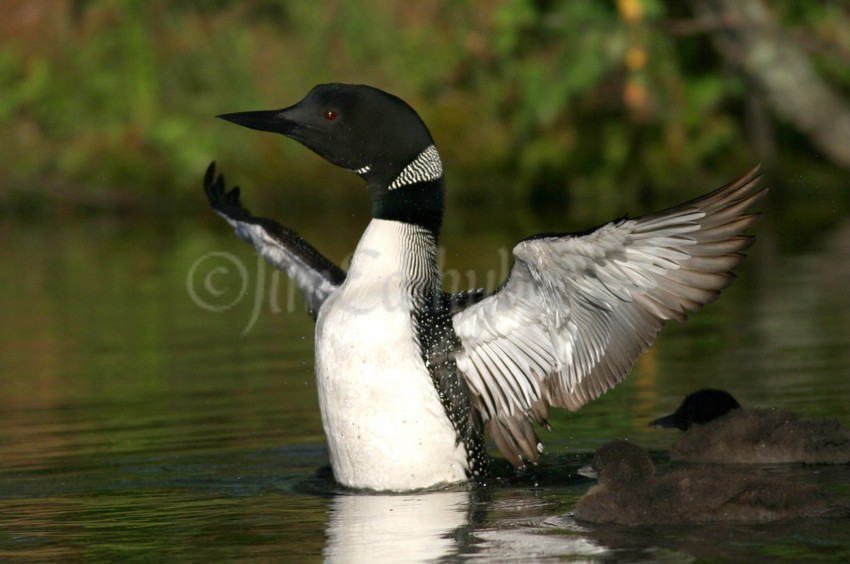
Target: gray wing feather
577,310
315,275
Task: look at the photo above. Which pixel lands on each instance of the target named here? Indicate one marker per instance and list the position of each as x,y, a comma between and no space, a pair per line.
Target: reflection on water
396,528
143,418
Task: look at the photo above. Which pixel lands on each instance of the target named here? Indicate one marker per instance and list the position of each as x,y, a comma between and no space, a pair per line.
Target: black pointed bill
666,422
263,120
588,472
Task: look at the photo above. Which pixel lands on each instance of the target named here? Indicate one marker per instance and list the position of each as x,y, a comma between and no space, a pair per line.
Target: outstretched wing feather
577,310
315,275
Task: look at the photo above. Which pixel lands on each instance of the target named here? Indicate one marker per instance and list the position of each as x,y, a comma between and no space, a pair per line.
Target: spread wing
316,276
577,310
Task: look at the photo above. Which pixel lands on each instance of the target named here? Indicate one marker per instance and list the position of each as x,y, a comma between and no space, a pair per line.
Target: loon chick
409,376
628,492
718,430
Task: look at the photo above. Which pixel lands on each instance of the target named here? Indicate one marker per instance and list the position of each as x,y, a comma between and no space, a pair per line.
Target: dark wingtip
232,197
216,189
209,182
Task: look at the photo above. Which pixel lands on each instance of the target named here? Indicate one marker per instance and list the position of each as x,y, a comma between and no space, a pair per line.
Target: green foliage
589,104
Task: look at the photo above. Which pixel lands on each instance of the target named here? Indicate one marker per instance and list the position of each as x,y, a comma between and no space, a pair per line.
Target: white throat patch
427,166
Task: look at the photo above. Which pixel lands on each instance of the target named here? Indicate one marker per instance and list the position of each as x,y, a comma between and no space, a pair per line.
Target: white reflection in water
554,538
395,528
430,526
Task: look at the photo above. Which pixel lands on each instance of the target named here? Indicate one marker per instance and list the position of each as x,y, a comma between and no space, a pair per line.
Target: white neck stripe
427,166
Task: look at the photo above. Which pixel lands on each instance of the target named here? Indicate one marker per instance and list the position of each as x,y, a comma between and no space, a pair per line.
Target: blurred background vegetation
590,104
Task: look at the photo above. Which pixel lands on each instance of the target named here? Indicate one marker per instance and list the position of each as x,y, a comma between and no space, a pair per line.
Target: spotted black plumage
439,344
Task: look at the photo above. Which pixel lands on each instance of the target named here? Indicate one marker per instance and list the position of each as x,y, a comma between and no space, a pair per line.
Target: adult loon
717,429
409,376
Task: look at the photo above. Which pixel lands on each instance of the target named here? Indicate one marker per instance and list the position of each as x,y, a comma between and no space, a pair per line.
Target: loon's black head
373,133
698,408
357,127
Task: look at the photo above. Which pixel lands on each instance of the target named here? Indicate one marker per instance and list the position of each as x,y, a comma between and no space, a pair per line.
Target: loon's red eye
330,115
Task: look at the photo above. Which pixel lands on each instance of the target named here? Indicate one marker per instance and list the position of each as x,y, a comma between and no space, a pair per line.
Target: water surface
157,394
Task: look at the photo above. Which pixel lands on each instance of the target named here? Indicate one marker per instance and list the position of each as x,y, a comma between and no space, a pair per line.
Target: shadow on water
159,401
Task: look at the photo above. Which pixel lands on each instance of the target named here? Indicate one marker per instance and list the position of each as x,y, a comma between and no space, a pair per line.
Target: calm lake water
158,402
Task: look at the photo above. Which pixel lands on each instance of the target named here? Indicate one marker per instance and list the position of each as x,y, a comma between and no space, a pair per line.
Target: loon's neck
413,193
420,203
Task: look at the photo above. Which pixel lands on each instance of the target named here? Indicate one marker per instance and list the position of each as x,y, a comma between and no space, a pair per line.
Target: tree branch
783,72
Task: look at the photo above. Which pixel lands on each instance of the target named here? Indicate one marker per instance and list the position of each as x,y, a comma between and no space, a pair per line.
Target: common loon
408,375
717,429
629,492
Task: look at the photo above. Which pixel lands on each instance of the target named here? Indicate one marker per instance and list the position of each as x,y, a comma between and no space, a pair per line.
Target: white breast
385,425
